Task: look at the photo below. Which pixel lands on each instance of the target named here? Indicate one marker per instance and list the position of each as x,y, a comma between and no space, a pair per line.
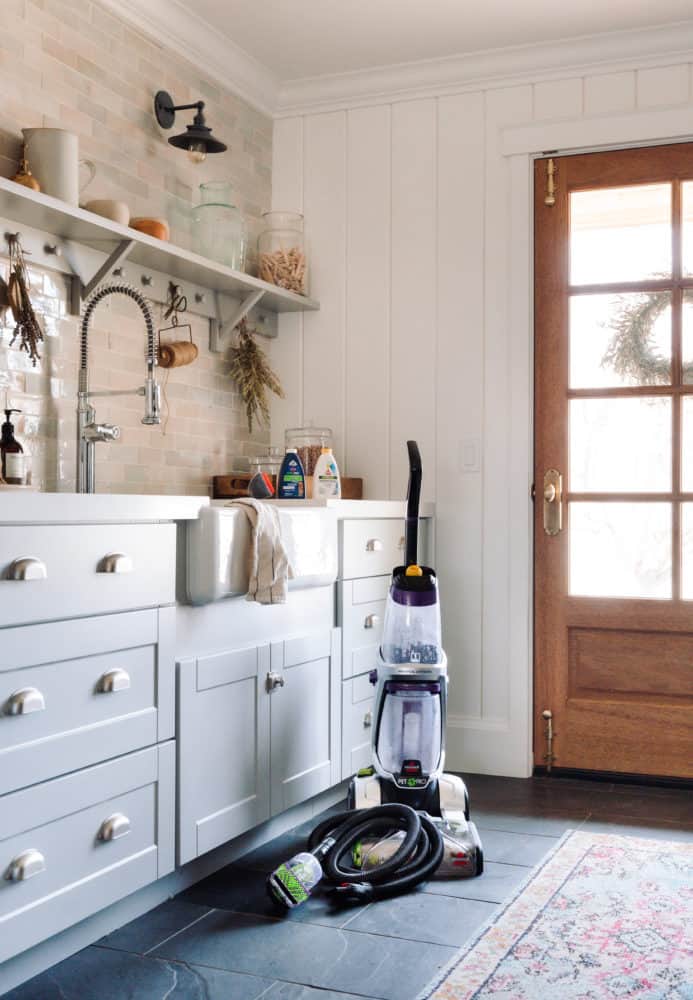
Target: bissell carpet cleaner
408,820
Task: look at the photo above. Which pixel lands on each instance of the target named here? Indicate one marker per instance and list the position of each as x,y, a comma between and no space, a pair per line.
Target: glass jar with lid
270,463
218,227
281,251
308,442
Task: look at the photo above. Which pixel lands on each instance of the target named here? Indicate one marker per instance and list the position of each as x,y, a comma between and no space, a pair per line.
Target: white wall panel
367,387
324,201
413,290
286,352
460,391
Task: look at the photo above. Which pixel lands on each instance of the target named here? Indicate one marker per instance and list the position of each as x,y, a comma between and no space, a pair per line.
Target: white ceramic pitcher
53,156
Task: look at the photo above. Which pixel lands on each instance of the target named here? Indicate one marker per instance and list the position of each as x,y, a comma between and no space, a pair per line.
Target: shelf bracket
220,326
117,256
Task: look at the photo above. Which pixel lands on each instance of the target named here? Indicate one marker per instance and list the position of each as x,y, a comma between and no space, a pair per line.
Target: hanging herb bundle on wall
27,327
250,369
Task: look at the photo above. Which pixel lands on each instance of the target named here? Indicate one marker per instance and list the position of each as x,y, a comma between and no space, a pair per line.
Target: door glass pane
620,339
687,227
687,444
620,234
620,549
687,337
620,445
687,551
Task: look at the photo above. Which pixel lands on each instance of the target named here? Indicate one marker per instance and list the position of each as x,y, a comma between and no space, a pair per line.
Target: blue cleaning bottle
292,481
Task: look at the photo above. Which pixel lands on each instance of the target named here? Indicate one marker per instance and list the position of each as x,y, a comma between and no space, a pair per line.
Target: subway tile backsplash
72,64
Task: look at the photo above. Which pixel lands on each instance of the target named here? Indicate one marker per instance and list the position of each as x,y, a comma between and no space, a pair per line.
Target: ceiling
304,38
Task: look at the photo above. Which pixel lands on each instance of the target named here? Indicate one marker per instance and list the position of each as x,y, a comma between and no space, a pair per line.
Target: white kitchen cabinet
357,724
258,732
223,748
305,717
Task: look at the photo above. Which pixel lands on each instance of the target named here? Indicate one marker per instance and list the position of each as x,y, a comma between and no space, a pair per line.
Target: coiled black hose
415,860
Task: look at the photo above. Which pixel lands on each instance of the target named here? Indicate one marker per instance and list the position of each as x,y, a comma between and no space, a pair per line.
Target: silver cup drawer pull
370,621
24,702
115,562
27,568
374,545
113,828
113,680
25,866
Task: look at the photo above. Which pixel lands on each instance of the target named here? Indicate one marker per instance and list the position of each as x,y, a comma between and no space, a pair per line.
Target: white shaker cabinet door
305,713
223,748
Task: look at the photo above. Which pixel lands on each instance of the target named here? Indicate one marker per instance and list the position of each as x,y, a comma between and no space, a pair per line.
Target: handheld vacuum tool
334,857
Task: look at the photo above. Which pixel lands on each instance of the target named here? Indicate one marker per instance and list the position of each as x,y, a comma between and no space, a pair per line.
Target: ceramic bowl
116,211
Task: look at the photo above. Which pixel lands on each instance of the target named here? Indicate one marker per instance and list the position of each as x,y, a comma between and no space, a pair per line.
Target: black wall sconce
197,138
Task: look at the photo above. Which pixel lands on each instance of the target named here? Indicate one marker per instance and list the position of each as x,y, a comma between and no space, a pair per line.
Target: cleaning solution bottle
13,458
291,484
326,481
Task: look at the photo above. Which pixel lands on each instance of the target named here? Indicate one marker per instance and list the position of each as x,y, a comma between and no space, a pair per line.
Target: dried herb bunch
251,371
27,326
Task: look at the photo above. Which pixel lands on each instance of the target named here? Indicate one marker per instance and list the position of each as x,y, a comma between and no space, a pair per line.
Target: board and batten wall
418,221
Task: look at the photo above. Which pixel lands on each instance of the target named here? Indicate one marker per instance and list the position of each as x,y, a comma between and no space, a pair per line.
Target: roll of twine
177,353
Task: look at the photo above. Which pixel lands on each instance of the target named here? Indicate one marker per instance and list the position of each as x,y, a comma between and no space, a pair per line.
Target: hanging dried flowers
27,326
251,371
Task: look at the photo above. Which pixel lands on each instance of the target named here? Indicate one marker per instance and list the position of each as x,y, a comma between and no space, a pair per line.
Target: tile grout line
197,920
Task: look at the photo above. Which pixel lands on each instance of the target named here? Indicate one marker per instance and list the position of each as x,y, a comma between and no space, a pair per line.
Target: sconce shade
197,137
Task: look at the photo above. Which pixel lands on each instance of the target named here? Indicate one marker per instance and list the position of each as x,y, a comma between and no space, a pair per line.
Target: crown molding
172,25
638,48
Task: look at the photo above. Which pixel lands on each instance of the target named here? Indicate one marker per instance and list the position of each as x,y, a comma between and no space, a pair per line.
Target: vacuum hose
330,857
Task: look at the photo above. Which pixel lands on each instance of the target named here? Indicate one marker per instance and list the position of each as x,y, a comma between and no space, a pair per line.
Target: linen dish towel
269,569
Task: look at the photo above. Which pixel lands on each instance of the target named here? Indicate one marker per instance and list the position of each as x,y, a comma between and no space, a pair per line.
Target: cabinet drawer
111,693
72,846
371,547
357,724
80,570
361,612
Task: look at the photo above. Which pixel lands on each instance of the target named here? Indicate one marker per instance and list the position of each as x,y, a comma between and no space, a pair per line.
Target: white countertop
22,507
354,508
27,507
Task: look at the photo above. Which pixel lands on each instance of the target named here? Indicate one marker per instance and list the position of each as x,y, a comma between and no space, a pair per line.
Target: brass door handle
553,502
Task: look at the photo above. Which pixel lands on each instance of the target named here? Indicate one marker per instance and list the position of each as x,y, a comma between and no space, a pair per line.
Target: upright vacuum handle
411,532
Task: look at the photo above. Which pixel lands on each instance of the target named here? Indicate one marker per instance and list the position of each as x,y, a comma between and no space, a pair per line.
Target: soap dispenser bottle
13,462
291,484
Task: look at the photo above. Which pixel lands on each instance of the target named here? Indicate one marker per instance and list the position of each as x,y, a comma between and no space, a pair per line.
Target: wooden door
223,748
305,717
613,632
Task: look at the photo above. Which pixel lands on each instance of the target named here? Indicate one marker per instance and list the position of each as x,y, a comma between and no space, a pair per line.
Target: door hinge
550,197
549,756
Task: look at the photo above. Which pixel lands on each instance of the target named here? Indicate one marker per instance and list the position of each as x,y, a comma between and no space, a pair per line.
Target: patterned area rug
604,917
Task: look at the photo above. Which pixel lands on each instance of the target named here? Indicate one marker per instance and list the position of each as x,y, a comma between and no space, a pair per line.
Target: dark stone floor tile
526,849
271,854
423,916
625,826
243,890
544,821
494,885
100,974
324,957
152,928
290,991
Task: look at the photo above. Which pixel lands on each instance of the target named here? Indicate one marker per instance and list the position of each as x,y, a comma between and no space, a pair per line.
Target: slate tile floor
223,940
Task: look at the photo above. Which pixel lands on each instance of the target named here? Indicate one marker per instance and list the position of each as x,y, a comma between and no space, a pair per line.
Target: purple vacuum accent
414,598
373,677
392,687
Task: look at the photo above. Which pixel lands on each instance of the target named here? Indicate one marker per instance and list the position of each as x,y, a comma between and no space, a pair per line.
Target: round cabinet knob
370,621
374,545
368,720
113,828
24,702
27,568
113,680
274,681
115,562
25,866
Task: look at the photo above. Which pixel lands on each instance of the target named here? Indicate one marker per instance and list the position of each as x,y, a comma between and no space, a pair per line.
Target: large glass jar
308,442
281,251
218,229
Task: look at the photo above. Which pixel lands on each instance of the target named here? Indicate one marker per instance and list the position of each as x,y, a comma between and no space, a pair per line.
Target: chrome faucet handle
101,432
